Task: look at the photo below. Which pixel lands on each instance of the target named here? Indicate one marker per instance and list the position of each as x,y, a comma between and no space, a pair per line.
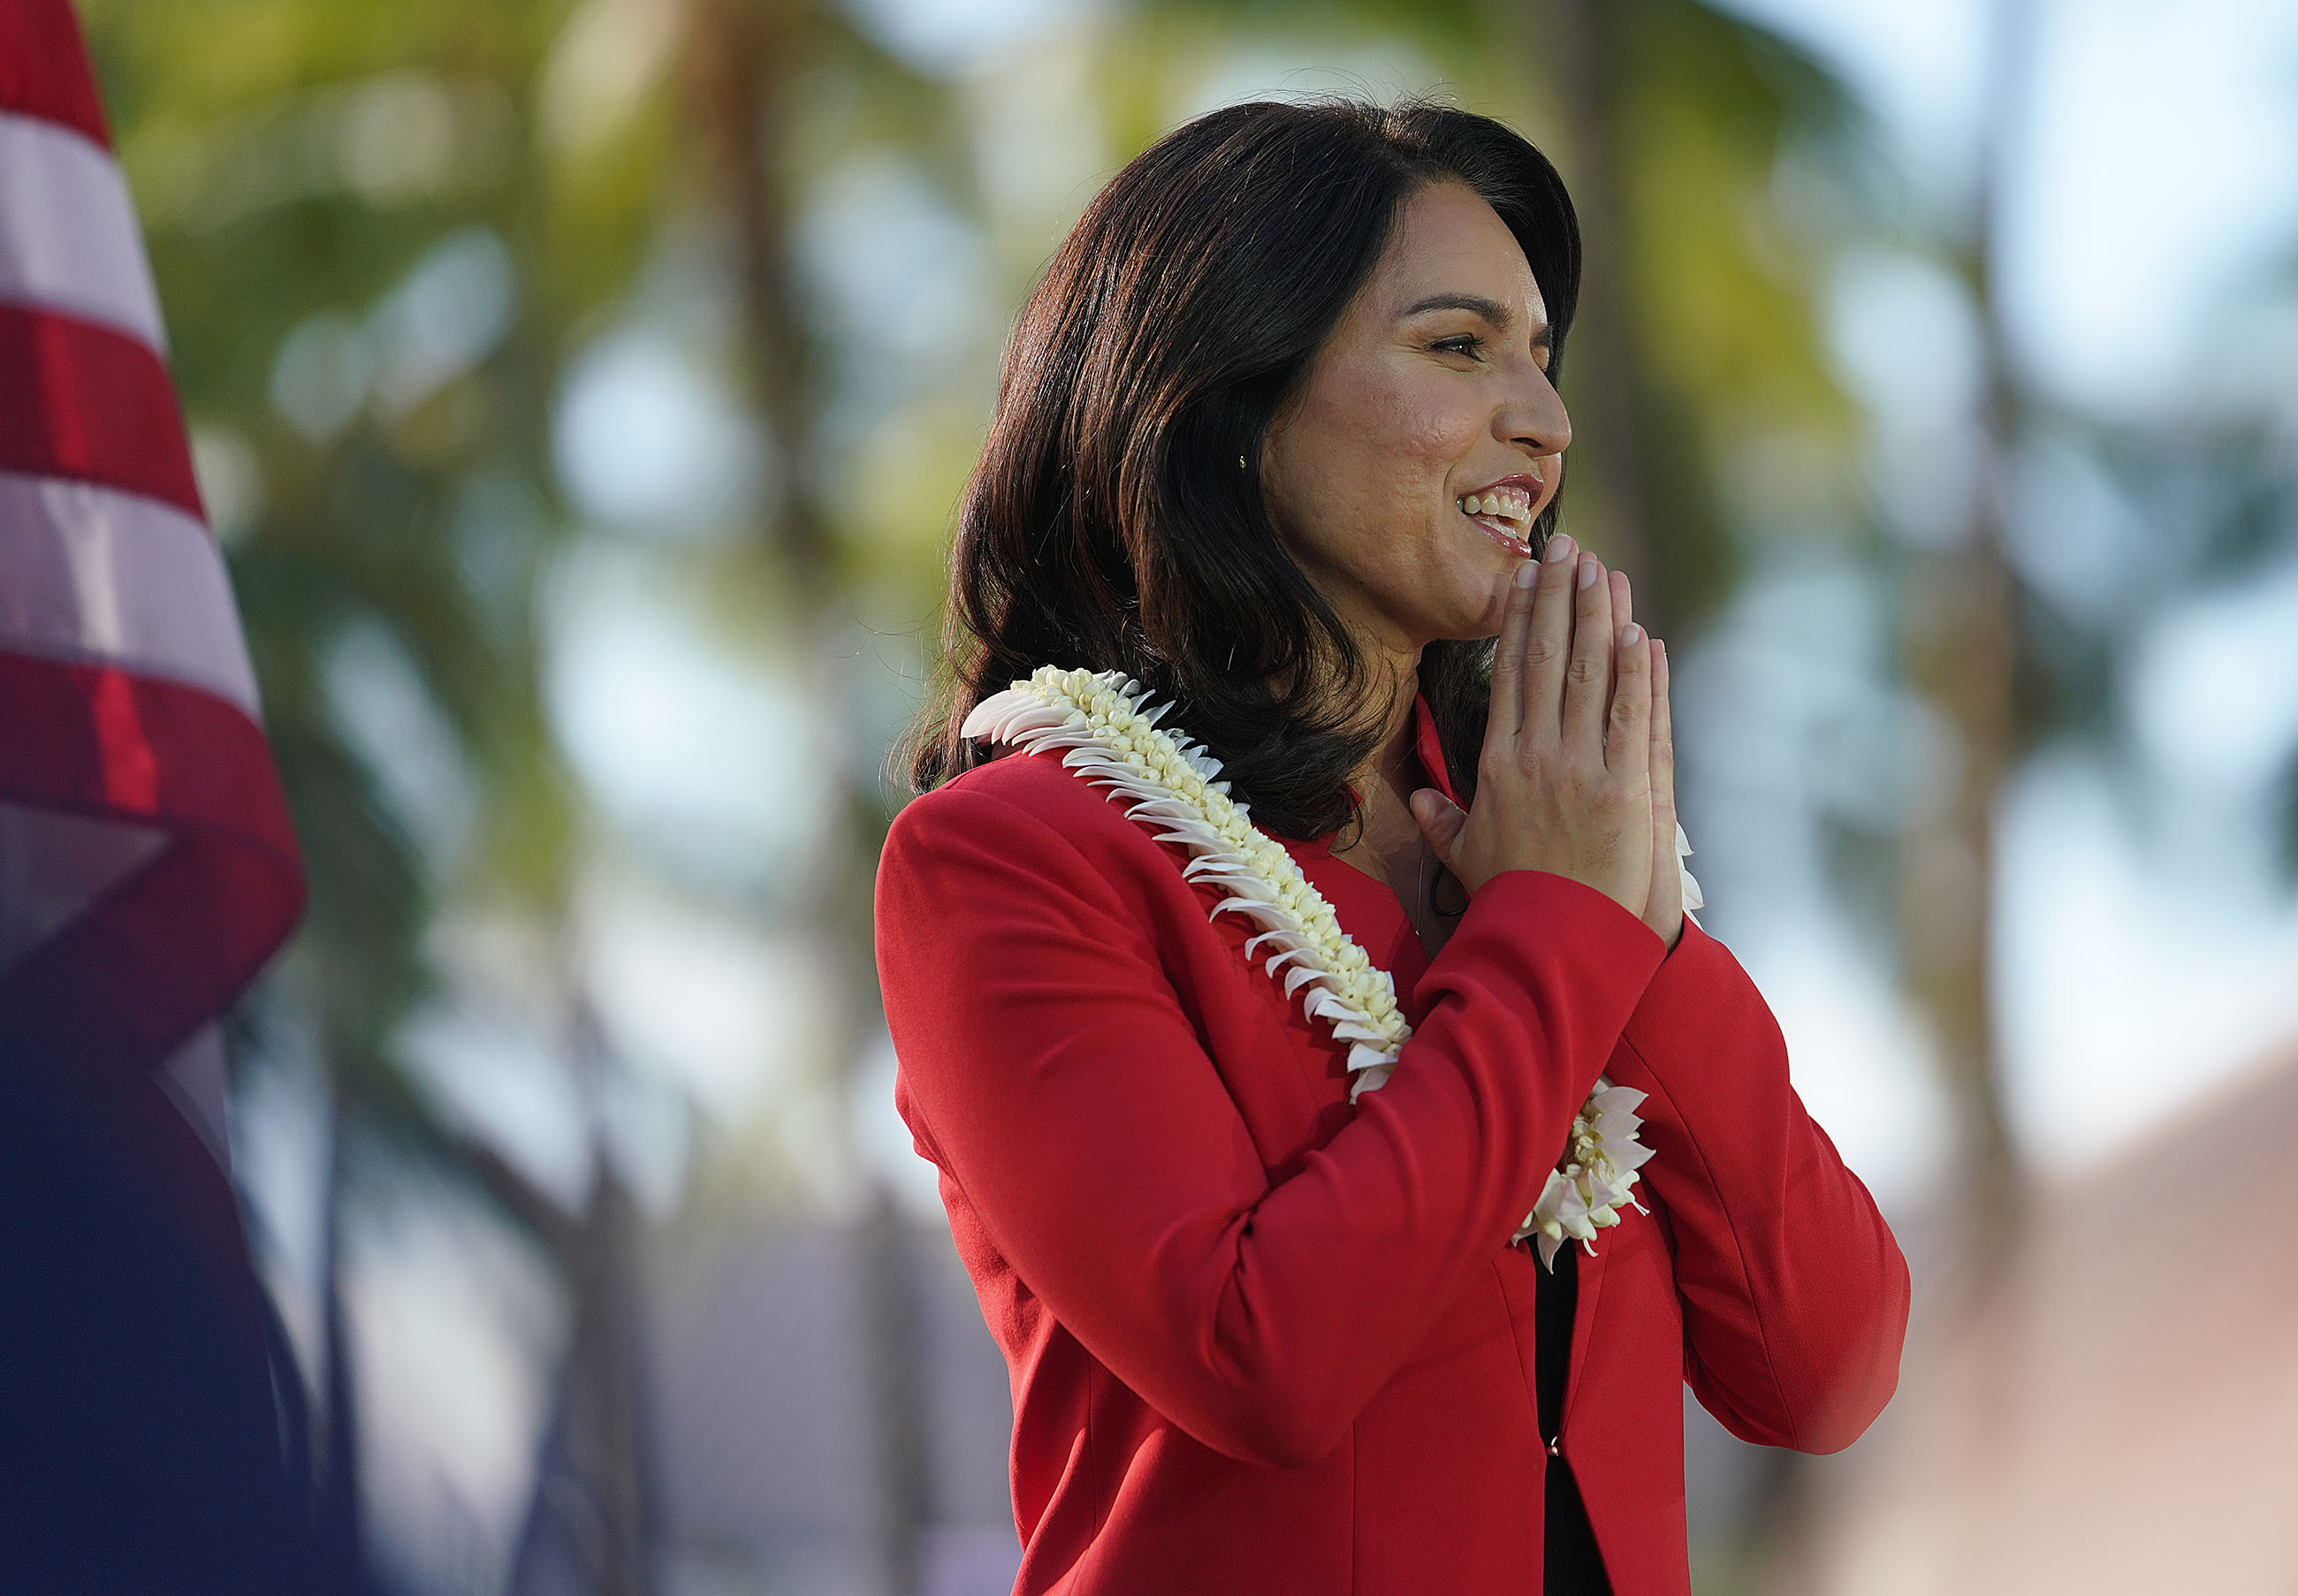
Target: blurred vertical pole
1579,54
340,1542
590,1527
891,1282
743,56
1961,651
589,1523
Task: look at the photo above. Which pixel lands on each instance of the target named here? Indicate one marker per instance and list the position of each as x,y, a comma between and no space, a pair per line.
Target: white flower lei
1111,741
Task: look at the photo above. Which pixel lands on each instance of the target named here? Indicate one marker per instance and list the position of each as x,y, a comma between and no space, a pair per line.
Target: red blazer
1263,1341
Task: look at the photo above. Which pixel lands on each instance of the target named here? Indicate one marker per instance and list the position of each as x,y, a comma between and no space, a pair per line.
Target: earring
1240,462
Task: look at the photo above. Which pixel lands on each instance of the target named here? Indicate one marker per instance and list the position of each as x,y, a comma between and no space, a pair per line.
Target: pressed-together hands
1577,774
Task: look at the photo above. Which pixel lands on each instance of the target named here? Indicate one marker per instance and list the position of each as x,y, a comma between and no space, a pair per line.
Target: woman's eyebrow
1490,309
1476,305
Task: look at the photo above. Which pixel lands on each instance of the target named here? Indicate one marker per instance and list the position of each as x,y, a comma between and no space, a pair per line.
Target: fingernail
1526,573
1589,565
1559,547
1631,635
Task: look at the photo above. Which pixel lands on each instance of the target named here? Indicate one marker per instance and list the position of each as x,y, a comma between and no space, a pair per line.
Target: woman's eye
1466,344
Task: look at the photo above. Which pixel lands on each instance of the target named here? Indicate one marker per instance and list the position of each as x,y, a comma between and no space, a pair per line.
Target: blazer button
1552,1450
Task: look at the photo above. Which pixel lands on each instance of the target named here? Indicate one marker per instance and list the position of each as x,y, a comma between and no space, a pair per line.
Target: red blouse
1263,1340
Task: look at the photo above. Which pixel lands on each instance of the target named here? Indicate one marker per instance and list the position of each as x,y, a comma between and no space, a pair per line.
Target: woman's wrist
1518,879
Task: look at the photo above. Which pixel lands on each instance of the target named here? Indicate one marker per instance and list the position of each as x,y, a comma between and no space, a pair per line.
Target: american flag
146,866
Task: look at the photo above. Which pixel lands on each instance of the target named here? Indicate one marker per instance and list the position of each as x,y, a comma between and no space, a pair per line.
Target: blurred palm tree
1700,339
745,62
372,272
382,233
2011,666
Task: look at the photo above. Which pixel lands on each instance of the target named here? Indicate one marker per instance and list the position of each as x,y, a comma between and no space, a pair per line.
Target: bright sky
2156,169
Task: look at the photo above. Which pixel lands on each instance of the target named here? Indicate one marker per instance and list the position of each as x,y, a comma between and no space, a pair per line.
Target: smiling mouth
1503,512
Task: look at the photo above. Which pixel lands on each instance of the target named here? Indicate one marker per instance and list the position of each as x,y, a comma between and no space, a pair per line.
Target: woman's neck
1383,785
1387,844
1386,772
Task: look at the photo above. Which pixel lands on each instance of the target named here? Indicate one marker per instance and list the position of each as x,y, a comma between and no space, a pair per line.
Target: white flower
1599,1172
1096,725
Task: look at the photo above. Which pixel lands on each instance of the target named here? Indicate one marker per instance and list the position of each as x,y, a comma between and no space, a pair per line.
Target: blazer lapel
1431,748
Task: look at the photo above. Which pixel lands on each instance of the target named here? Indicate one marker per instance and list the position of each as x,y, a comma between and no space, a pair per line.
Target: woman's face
1404,474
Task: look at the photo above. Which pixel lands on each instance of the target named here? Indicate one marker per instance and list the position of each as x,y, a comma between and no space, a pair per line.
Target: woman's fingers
1507,711
1663,744
1663,909
1548,635
1627,738
1566,787
1588,677
1623,608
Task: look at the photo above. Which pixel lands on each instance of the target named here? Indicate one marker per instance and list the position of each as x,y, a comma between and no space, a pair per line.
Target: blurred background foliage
581,389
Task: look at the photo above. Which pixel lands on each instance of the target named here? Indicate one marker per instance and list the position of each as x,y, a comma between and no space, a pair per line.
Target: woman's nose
1533,416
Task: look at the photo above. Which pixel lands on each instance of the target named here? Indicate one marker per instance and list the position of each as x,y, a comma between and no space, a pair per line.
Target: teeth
1510,504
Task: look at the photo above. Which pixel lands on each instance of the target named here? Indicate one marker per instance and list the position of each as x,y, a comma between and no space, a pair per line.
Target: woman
1249,1114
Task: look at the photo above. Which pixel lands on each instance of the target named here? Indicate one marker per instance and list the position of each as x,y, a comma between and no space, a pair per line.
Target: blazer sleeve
1794,1292
1049,1066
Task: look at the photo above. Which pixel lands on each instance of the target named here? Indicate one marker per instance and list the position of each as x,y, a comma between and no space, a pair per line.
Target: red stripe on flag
82,400
44,67
98,741
169,949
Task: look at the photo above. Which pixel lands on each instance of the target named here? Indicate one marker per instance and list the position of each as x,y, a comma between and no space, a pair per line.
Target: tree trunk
740,57
741,53
1601,375
1961,653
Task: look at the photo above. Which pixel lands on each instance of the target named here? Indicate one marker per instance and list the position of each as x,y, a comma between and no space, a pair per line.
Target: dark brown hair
1115,520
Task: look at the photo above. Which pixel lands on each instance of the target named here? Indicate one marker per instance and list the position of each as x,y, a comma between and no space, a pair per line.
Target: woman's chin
1473,623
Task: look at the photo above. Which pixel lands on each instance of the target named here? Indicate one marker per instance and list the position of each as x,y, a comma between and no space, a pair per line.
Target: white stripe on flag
197,1079
54,864
68,235
89,574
